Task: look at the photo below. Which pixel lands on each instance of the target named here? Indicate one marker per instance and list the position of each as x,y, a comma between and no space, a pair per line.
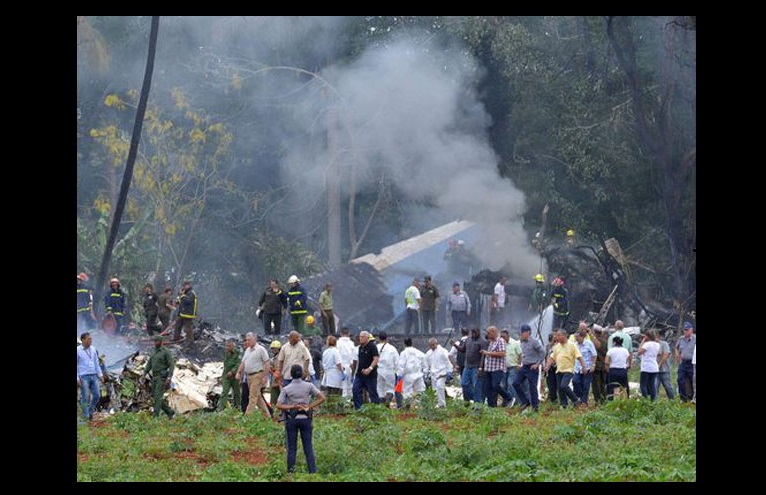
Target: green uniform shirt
161,361
231,361
325,300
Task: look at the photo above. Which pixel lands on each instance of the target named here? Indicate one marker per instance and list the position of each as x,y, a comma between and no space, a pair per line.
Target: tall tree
128,175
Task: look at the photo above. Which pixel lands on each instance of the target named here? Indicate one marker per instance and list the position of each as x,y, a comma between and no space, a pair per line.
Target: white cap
293,279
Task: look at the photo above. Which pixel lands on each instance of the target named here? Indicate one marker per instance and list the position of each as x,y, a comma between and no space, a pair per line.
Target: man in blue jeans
88,375
564,356
468,379
295,402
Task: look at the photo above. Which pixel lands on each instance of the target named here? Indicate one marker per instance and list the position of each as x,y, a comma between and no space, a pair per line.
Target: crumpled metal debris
191,385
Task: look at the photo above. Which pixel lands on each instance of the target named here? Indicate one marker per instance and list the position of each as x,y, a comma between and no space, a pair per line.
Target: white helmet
293,279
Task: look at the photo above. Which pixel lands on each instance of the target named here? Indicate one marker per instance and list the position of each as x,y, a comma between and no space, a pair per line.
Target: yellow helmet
275,344
570,233
539,278
309,320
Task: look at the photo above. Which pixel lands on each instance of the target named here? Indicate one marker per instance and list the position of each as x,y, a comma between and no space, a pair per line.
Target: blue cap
688,325
525,328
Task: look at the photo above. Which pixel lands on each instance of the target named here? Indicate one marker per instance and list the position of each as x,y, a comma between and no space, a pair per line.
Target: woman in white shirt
618,360
649,351
333,377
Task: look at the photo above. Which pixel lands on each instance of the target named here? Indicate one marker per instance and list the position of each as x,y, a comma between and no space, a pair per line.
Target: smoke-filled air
310,146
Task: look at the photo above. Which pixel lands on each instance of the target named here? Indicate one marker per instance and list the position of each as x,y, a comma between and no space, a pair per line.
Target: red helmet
558,281
82,276
115,280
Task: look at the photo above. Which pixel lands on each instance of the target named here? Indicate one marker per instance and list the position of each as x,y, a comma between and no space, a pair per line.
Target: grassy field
626,440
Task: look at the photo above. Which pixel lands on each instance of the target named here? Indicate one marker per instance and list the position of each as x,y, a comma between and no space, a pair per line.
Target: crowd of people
493,369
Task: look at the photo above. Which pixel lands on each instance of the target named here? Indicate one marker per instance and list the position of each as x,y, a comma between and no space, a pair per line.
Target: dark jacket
560,301
272,302
472,348
115,302
188,304
83,298
150,306
296,298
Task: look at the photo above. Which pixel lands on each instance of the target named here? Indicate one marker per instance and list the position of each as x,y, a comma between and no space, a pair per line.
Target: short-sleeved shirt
588,352
366,353
618,357
532,352
495,363
627,341
512,353
325,300
565,356
298,392
254,359
664,349
428,296
293,354
686,347
500,293
649,357
411,296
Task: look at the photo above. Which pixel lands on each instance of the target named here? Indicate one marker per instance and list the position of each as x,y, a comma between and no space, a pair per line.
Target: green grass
626,440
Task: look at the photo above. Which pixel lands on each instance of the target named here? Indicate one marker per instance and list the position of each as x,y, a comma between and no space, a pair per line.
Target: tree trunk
128,175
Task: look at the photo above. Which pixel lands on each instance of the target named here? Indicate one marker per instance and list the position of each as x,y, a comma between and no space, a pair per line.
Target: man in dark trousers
296,299
684,353
116,304
187,313
366,371
161,366
85,314
151,310
429,304
560,300
165,306
271,305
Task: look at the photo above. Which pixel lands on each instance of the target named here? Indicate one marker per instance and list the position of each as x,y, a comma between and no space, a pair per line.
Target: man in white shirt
497,314
437,361
346,348
412,306
388,362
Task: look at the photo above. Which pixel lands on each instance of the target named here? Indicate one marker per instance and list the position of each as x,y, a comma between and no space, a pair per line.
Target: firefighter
85,315
560,300
539,295
276,374
187,313
570,239
116,304
296,300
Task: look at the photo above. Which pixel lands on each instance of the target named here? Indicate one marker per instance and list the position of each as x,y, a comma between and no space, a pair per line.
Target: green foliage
632,440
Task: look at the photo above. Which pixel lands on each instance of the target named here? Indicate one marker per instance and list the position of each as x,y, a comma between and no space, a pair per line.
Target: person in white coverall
437,360
412,365
346,349
388,362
